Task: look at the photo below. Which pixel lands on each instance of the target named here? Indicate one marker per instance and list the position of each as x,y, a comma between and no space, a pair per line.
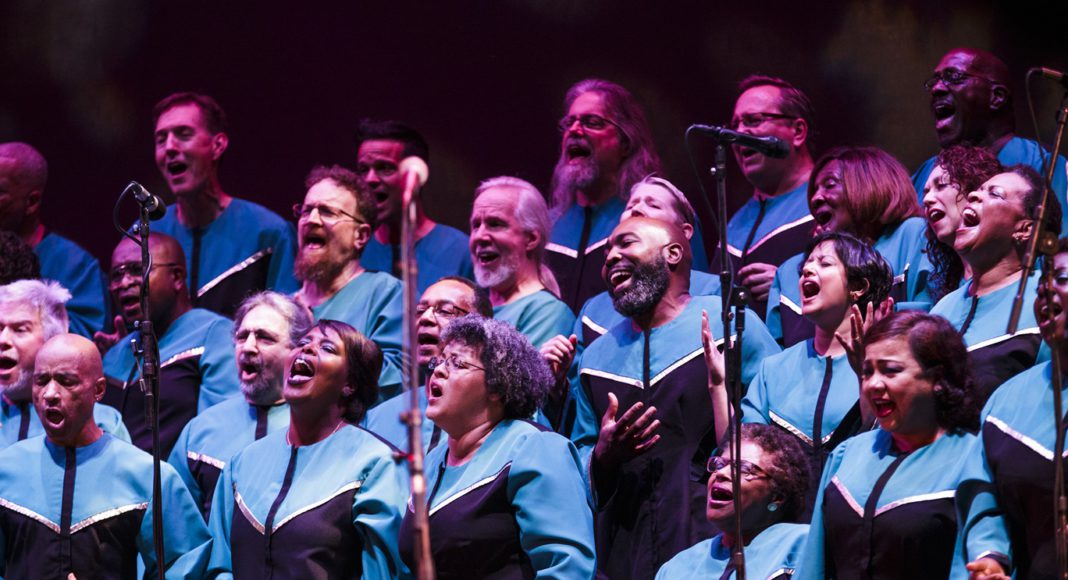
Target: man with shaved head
972,104
195,347
23,176
649,370
95,519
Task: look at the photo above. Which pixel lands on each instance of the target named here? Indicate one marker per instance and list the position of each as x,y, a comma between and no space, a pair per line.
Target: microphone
415,172
1051,74
152,203
770,146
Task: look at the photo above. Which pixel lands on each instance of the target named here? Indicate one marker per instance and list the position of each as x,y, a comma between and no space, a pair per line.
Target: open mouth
7,363
426,338
720,495
301,371
435,389
823,215
747,153
934,215
943,110
809,289
177,168
969,218
249,368
486,257
577,149
53,416
883,407
313,239
619,275
1049,309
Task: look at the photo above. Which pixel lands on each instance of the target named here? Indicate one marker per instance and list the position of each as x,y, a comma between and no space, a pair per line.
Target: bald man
195,345
99,519
972,104
23,176
649,370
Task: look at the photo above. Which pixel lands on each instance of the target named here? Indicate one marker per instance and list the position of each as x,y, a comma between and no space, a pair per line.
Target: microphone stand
1045,243
413,417
146,350
734,301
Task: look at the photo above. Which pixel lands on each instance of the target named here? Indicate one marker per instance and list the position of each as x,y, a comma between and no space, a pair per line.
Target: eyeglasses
754,120
589,121
951,77
326,213
444,310
134,270
750,470
453,363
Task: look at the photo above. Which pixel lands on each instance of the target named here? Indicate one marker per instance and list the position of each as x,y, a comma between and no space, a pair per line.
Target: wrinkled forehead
449,291
18,311
645,229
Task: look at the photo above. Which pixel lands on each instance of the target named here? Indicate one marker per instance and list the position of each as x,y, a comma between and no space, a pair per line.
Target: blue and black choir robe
905,250
885,514
768,230
517,509
208,442
88,511
1016,150
538,316
328,510
982,321
197,370
813,398
79,272
442,252
772,555
373,304
653,506
384,421
248,248
19,421
577,249
1007,501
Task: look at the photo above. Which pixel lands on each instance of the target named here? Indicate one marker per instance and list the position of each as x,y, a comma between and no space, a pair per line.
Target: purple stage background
482,80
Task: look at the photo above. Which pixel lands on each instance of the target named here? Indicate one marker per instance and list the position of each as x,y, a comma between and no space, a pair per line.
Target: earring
773,507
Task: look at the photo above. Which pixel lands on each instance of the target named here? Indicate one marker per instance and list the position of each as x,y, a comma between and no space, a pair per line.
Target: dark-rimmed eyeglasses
754,120
453,363
588,121
951,77
444,310
326,213
134,270
750,470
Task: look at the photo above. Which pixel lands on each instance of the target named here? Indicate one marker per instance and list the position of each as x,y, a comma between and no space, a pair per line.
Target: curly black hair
788,466
17,259
939,350
515,370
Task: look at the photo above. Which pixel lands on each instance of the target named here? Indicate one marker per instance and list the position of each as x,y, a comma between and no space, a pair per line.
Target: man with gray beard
266,327
334,225
646,481
606,147
31,312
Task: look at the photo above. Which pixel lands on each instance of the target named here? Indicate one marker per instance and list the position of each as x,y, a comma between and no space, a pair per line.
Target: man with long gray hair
266,326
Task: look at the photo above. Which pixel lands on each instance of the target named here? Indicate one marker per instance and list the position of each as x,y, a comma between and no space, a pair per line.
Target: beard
318,269
265,389
648,285
21,389
571,177
492,278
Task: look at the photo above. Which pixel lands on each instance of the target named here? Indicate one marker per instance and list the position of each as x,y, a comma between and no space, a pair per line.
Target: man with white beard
266,326
31,312
509,228
334,225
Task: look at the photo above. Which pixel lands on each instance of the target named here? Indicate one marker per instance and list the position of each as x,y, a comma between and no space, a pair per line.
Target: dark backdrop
482,80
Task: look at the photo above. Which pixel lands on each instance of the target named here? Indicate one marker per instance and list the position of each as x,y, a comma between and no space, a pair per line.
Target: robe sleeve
222,514
187,544
814,557
556,535
984,532
384,325
377,510
755,402
545,321
110,421
773,320
218,369
178,460
757,344
280,272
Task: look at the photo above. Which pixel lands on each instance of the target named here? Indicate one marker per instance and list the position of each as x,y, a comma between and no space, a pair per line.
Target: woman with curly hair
506,496
958,170
773,486
865,192
886,502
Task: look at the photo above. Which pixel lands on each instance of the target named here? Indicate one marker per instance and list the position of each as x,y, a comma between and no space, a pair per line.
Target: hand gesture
717,375
986,569
559,352
105,341
757,277
858,326
625,438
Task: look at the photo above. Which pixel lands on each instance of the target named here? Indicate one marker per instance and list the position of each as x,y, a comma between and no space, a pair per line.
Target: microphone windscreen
417,167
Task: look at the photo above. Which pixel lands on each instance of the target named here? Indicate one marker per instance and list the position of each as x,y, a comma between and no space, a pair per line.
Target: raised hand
105,340
559,352
628,436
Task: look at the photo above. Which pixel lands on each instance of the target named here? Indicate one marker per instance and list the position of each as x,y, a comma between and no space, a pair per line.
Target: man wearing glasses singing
972,104
776,221
334,224
606,147
234,247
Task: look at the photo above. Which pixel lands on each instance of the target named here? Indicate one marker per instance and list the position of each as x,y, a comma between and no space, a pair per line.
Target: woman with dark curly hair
885,507
506,496
323,498
863,191
774,481
958,170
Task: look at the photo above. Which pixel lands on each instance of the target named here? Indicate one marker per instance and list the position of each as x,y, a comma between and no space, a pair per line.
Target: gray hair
49,299
297,317
515,370
680,204
533,216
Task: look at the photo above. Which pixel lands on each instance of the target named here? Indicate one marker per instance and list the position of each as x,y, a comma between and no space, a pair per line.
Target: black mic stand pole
734,301
413,417
1045,243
